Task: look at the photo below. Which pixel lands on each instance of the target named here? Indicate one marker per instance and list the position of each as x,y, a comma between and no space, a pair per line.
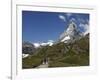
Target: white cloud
68,14
84,24
62,18
81,25
85,27
73,19
84,21
81,20
50,41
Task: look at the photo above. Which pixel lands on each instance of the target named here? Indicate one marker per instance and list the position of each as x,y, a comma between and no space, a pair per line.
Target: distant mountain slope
28,48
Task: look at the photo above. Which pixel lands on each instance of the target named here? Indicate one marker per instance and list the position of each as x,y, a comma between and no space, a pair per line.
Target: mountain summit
71,33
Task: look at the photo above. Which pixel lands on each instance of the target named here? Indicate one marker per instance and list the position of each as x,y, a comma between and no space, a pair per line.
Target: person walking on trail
45,61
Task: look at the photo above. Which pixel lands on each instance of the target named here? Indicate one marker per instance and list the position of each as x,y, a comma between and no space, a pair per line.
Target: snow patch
65,39
36,45
25,55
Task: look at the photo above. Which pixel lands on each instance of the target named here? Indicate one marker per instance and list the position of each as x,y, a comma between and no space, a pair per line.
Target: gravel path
43,66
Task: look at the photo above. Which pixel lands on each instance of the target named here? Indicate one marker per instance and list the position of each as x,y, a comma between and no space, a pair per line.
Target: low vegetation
61,55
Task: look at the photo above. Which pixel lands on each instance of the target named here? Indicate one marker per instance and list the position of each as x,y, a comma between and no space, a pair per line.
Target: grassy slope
61,55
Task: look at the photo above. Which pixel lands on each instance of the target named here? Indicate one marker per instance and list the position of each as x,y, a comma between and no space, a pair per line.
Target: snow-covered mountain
36,45
49,43
27,47
70,33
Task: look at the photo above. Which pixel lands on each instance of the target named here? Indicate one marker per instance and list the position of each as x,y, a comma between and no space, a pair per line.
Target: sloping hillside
61,54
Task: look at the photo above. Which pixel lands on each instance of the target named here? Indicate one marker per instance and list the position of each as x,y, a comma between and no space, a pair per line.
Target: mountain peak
70,33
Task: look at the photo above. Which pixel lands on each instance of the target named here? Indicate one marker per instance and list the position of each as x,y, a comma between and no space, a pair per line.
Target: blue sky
44,26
